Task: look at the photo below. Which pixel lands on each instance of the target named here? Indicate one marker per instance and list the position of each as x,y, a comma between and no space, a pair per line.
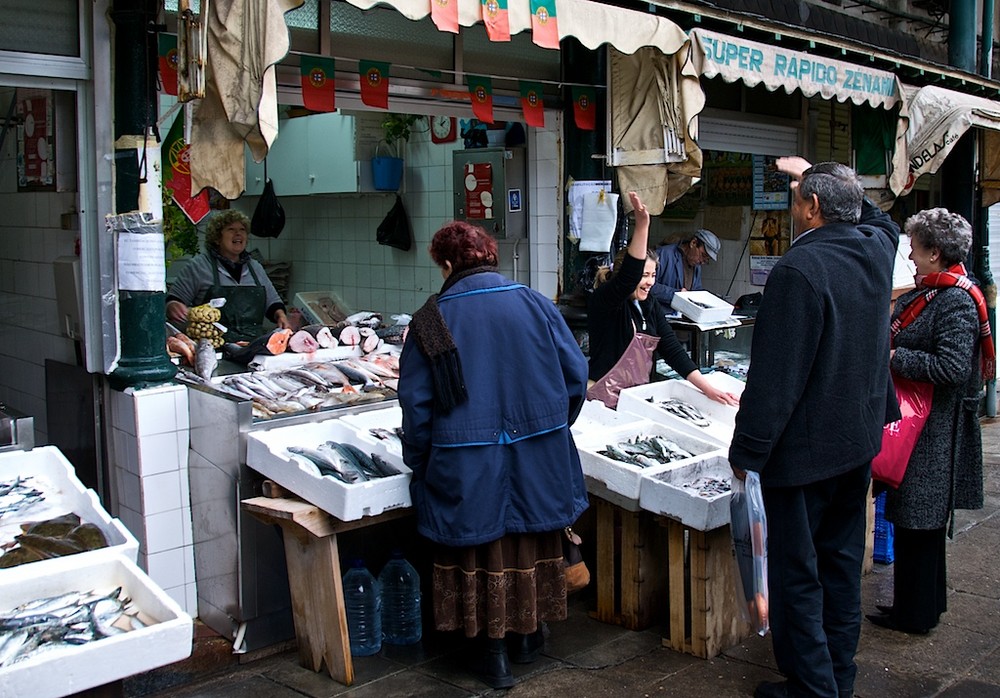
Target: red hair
464,245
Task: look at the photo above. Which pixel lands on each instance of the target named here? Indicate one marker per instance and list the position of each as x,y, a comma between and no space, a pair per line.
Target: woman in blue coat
491,379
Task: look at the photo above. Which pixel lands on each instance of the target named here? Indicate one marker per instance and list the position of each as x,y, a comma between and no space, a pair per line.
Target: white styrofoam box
674,492
724,381
721,418
267,453
596,416
55,477
625,478
70,669
389,418
690,303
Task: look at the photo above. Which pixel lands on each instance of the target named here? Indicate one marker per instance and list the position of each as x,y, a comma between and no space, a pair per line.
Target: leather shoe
889,623
496,671
887,610
526,648
771,689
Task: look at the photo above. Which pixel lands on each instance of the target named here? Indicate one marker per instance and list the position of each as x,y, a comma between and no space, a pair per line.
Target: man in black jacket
811,417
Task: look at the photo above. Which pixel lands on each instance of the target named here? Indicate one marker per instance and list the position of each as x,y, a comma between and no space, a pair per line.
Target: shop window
736,96
50,28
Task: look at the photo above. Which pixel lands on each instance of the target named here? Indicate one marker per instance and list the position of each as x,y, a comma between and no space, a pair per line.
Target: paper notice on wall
760,268
576,191
139,246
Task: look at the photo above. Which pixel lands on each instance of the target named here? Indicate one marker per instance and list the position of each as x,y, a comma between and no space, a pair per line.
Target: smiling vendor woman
225,270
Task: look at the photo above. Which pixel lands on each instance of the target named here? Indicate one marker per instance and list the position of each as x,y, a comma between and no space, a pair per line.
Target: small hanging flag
531,103
175,157
318,92
167,48
584,108
445,15
496,20
481,91
374,77
544,28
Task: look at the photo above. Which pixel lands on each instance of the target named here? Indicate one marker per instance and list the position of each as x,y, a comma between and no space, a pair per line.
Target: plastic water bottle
364,610
400,585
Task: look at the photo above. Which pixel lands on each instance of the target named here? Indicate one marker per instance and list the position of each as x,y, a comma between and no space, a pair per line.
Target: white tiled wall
151,492
330,239
30,239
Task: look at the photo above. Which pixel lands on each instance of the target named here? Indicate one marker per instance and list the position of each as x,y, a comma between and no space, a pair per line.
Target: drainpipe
986,49
142,314
985,275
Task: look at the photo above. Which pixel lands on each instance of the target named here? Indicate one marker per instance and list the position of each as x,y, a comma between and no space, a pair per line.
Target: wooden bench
314,578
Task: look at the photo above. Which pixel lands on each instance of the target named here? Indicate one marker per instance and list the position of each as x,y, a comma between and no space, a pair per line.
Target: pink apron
633,368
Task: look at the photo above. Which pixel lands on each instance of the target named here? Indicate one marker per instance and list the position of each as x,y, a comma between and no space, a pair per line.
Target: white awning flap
592,23
245,39
938,118
735,58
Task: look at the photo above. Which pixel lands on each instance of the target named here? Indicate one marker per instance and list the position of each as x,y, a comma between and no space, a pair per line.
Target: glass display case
725,349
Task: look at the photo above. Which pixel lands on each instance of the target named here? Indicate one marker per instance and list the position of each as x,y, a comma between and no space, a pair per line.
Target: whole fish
348,458
326,464
205,359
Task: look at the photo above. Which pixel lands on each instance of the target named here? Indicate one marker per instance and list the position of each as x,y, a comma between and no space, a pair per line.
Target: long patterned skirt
508,585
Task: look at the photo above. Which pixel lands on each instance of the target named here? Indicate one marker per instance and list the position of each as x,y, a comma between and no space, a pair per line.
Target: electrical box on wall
490,190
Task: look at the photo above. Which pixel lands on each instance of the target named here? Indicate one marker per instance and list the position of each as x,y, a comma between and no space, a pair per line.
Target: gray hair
838,189
949,232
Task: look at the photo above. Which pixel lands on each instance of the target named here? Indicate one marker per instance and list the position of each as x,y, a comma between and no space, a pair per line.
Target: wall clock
443,129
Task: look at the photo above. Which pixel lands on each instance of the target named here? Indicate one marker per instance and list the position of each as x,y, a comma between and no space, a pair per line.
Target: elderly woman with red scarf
940,335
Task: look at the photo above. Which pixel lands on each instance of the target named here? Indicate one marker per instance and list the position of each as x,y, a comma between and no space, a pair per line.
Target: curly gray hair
213,233
838,189
949,232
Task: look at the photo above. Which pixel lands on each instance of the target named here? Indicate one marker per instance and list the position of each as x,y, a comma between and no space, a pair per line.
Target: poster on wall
770,187
728,178
760,268
770,233
479,191
36,166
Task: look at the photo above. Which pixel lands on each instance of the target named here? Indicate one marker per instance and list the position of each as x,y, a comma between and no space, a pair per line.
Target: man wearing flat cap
679,267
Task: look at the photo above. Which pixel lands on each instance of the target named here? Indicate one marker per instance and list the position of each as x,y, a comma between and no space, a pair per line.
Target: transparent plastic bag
748,524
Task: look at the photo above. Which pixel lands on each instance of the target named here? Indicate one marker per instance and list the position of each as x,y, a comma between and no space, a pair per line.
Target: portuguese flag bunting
167,49
496,20
544,28
318,93
374,76
175,156
584,108
531,104
445,15
481,91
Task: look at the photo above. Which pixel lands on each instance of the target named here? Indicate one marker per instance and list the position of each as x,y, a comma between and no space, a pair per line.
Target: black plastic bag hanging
268,218
394,230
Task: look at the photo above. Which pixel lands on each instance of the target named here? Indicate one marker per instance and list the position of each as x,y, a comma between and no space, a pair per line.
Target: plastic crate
883,533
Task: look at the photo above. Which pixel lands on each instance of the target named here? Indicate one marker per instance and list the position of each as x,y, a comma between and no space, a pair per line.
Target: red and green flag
544,28
481,92
374,76
531,104
175,156
496,20
318,92
445,15
167,49
584,108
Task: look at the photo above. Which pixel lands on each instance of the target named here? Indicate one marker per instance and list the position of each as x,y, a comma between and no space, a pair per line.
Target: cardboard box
624,478
70,669
701,306
53,475
680,493
267,453
645,401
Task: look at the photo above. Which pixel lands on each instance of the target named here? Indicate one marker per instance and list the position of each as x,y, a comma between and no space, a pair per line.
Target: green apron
243,313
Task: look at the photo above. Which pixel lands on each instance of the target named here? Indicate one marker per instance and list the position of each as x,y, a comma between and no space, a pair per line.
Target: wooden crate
705,604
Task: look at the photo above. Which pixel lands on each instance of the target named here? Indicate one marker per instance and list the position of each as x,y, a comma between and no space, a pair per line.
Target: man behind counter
679,265
225,270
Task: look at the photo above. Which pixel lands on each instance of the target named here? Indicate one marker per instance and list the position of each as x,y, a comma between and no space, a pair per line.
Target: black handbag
268,218
394,230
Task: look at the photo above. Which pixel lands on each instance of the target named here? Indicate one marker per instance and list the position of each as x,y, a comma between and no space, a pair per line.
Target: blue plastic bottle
363,603
400,585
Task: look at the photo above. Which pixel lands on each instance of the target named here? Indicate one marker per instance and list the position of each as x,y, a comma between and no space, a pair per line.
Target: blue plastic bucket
387,173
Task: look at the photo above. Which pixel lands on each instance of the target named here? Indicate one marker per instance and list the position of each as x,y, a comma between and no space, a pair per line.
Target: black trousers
920,584
815,547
